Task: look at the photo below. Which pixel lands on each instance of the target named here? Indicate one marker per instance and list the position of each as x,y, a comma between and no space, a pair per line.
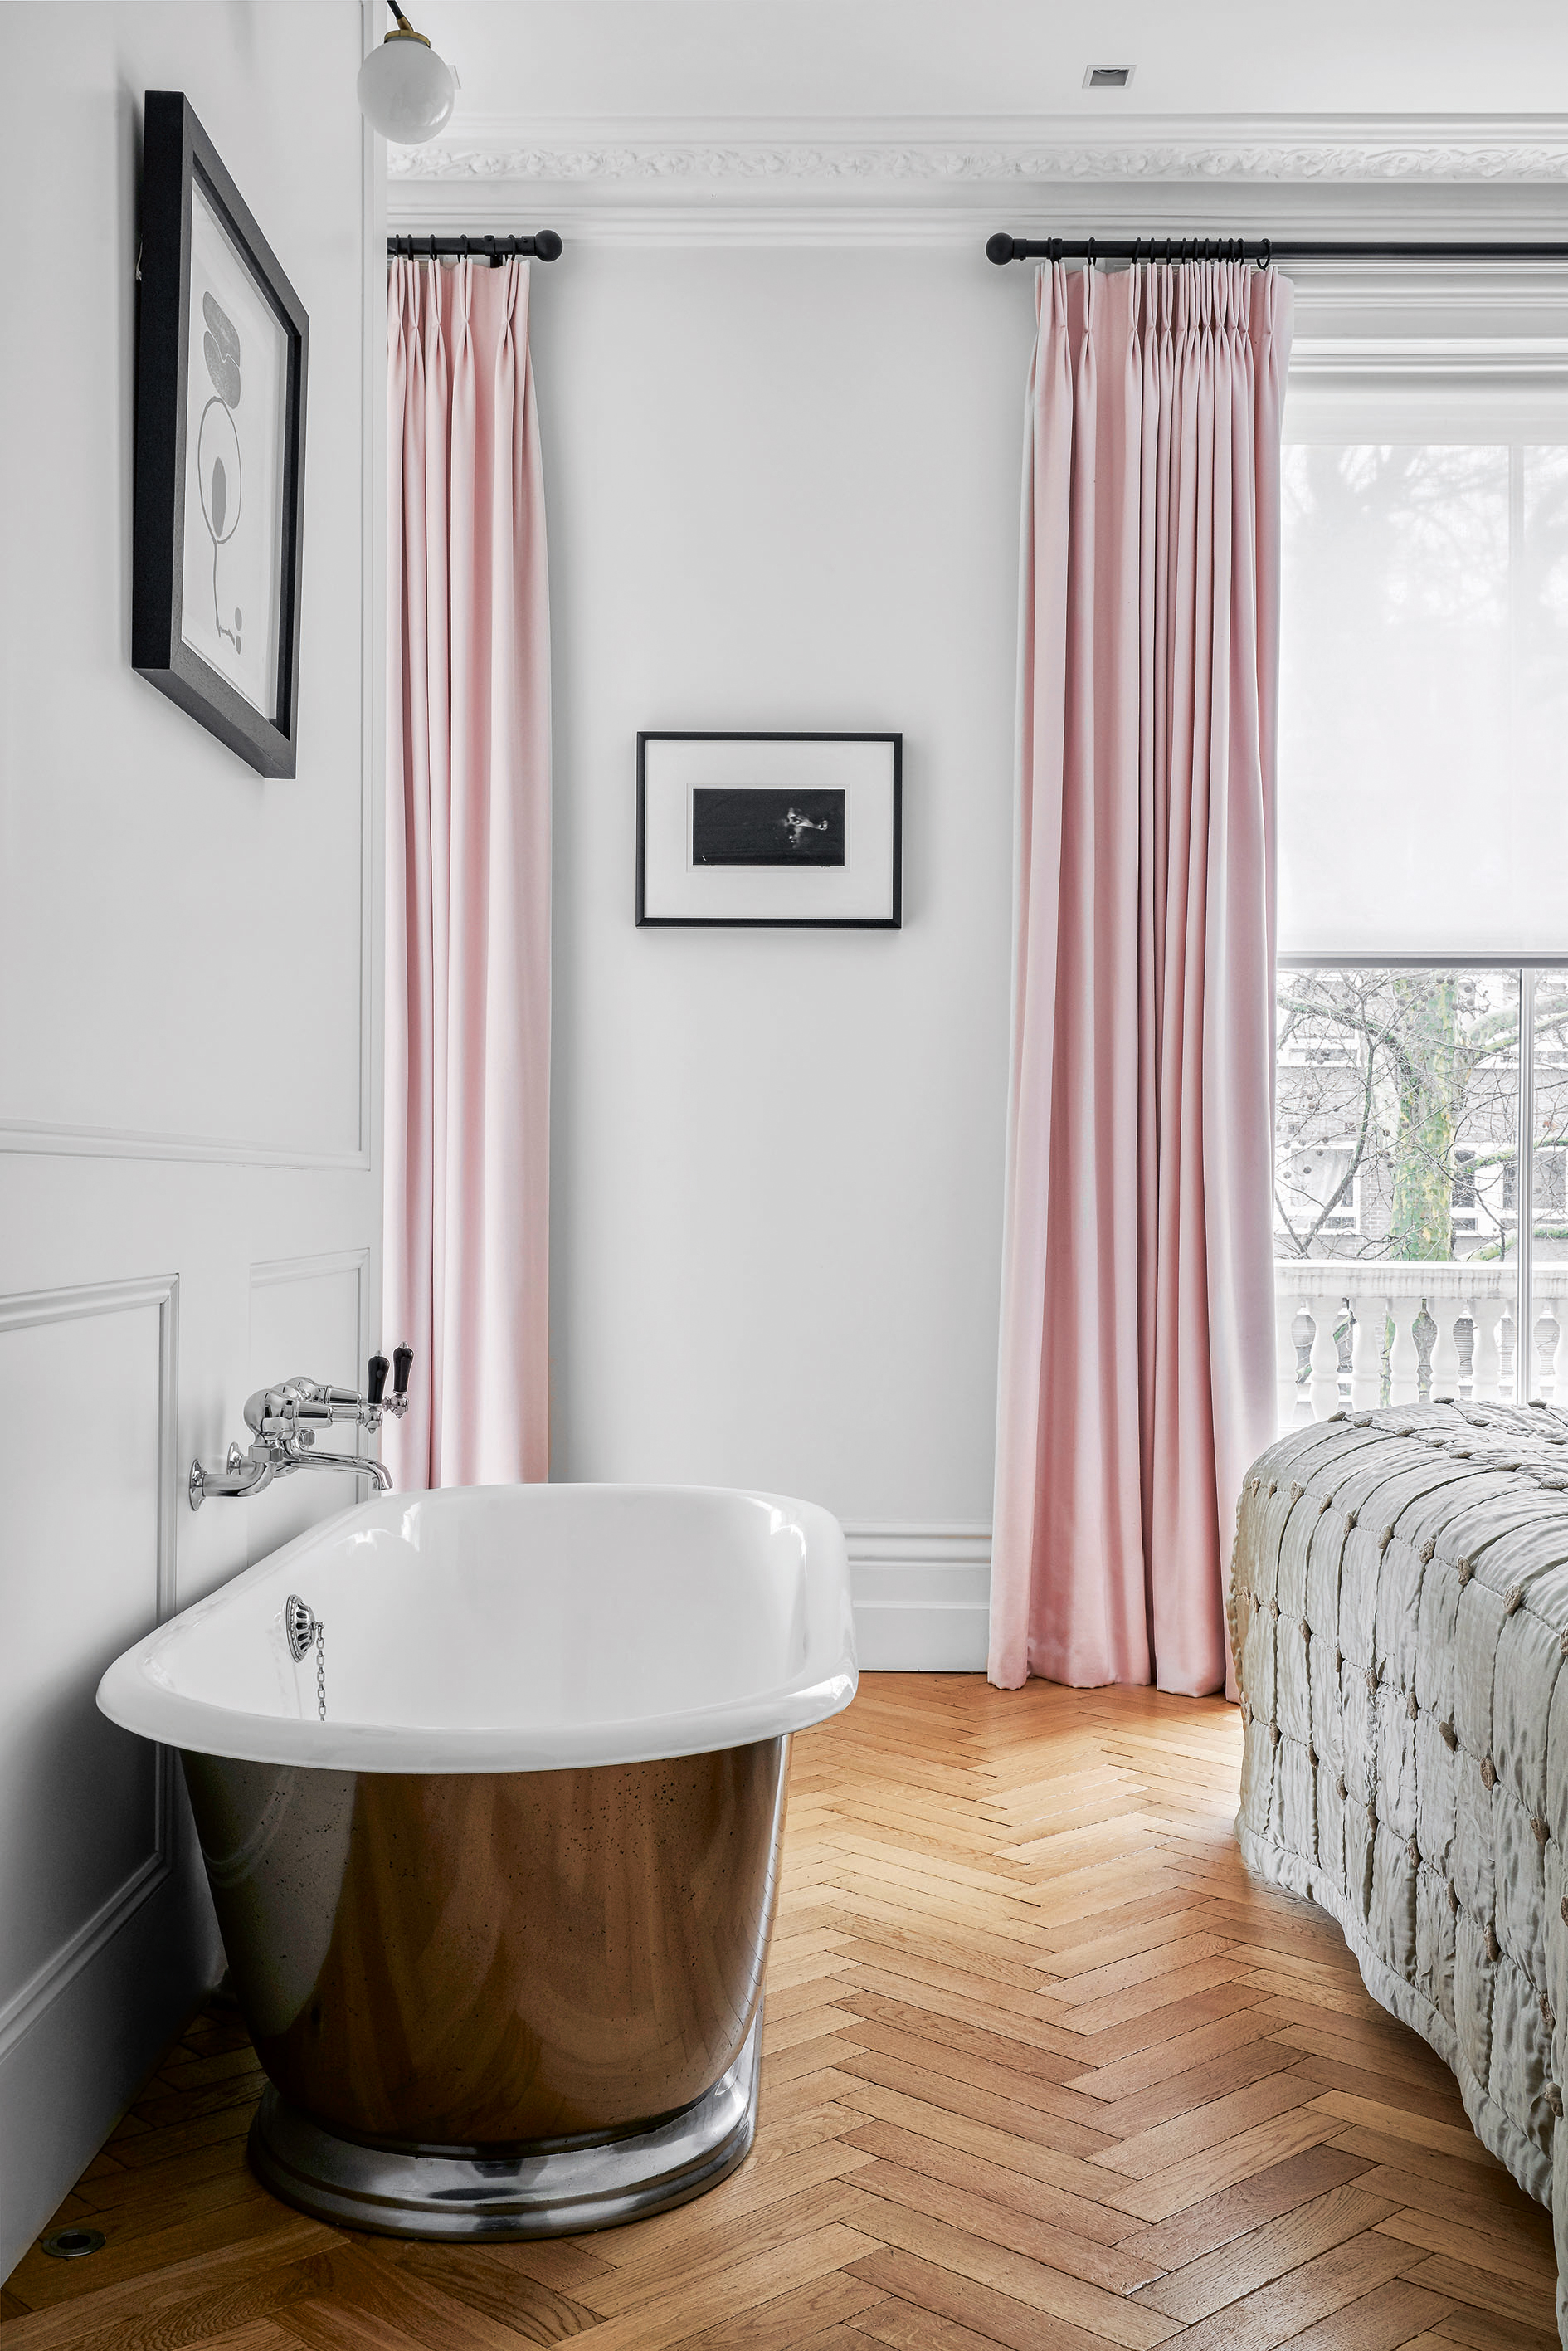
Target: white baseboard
922,1596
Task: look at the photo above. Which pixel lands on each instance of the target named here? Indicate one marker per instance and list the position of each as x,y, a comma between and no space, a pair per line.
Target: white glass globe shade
406,91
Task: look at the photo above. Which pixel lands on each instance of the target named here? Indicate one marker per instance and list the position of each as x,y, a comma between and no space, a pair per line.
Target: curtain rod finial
999,248
547,245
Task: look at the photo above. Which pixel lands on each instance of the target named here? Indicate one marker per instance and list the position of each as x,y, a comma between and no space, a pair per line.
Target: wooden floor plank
1378,2321
1042,2069
1001,2223
1234,2213
1509,2298
1201,2287
971,2173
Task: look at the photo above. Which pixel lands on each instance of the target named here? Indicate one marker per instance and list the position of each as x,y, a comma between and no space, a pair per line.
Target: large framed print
222,344
781,832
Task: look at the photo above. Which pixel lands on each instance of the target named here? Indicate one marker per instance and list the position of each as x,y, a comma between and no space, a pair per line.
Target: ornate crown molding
1526,150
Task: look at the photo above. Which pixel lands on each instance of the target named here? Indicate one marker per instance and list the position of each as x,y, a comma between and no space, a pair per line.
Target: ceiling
718,62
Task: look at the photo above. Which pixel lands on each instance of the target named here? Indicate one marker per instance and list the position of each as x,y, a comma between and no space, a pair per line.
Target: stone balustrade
1359,1334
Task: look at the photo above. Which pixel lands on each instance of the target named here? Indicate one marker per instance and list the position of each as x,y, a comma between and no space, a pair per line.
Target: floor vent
1108,77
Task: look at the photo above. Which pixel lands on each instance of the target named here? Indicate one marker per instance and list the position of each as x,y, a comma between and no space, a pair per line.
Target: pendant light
406,91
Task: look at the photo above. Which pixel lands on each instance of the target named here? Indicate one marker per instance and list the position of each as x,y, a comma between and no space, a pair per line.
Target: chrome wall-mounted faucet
285,1421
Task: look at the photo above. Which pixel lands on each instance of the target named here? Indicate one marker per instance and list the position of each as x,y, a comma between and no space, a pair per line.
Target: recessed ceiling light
1108,77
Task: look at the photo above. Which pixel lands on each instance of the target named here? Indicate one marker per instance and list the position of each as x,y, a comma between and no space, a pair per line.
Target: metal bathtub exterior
498,2003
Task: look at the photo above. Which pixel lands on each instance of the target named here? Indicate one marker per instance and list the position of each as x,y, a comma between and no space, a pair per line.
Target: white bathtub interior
587,1621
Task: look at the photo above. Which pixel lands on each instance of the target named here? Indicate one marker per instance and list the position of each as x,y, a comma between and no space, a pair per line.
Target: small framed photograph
785,831
222,343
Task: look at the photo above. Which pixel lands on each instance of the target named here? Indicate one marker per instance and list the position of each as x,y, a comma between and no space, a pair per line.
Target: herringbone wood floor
1044,2070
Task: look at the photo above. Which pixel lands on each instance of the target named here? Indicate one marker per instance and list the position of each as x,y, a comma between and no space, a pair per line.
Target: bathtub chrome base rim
558,2194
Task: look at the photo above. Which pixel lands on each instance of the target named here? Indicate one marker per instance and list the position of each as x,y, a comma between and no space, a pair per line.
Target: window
1403,1145
1421,1145
1424,697
1398,1162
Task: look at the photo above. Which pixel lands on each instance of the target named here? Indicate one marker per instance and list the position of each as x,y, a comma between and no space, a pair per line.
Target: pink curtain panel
468,879
1138,1325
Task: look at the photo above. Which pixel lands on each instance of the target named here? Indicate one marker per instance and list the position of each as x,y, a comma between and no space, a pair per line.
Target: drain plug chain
305,1631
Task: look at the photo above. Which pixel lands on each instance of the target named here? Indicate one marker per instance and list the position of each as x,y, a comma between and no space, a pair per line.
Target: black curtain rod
1002,249
543,245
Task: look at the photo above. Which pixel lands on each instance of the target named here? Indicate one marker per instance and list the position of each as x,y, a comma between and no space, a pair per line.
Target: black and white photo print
220,450
236,402
767,828
779,830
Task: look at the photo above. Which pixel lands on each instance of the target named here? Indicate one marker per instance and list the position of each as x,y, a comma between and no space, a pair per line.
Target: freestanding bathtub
497,1919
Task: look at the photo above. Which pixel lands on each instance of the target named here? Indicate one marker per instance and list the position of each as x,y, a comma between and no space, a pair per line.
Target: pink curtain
468,880
1137,1340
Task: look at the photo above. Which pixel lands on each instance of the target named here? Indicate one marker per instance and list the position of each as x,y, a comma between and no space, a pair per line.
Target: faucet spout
364,1465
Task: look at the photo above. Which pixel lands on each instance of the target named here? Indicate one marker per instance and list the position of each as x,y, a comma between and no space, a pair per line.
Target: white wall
782,491
188,1181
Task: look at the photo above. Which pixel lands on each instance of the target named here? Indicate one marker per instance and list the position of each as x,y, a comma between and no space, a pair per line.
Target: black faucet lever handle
376,1378
402,1363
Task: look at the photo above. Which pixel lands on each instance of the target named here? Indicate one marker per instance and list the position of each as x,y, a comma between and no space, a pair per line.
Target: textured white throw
1398,1611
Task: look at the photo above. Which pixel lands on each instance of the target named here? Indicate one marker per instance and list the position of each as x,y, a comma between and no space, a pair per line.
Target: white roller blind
1424,692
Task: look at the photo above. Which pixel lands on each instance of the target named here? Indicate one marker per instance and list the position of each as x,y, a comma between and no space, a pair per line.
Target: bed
1398,1615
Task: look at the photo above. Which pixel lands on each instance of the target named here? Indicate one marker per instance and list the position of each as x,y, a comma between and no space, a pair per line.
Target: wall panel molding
921,1595
130,1143
88,1301
269,1273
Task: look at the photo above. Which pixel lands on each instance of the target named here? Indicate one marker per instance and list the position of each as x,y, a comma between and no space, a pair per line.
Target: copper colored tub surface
491,1965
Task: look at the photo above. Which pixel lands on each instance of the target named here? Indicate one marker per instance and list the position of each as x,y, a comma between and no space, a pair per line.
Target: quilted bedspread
1398,1612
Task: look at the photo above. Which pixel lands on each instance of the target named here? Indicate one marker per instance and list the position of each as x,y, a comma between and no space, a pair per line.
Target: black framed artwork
777,831
222,344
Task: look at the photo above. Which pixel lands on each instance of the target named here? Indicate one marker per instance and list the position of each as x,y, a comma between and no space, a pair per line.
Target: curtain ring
432,247
1055,245
1090,256
463,244
1265,252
